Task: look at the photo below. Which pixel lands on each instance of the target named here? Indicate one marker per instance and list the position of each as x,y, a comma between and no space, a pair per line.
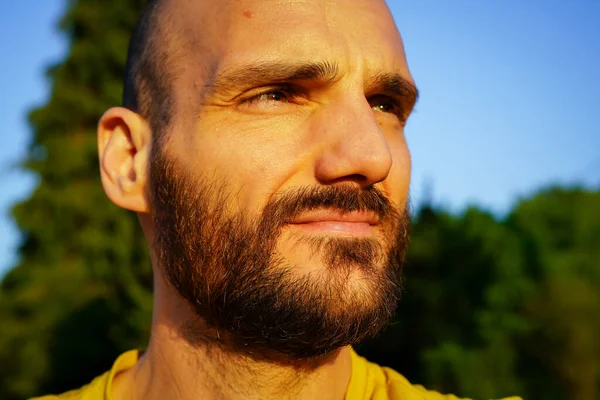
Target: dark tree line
491,306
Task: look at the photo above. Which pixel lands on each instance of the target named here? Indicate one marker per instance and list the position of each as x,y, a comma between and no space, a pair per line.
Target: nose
353,146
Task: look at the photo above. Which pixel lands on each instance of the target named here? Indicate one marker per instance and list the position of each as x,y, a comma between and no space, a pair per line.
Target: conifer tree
81,292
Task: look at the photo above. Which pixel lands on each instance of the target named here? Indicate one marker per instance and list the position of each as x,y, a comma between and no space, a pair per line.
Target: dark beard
227,267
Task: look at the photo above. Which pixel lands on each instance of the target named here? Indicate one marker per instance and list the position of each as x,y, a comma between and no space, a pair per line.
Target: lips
337,222
337,216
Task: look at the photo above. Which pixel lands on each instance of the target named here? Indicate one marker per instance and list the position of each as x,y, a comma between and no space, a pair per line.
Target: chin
320,254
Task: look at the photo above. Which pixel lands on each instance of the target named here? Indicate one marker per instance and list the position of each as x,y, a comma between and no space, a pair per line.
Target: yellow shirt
368,381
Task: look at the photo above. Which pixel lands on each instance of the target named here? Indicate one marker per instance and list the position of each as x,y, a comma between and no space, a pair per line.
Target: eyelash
287,94
387,101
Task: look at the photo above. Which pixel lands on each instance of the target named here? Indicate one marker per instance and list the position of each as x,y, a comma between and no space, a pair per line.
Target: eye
272,95
272,99
389,105
384,104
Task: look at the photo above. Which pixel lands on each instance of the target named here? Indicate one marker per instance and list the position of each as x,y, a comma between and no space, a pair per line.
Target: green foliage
491,307
562,227
458,320
497,307
82,290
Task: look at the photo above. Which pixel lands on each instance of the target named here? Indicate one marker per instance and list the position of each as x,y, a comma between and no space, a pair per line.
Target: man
262,145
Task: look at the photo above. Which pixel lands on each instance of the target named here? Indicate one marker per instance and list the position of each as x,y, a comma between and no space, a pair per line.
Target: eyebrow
273,72
266,73
393,84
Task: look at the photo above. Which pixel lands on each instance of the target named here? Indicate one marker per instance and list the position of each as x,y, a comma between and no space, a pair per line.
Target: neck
173,367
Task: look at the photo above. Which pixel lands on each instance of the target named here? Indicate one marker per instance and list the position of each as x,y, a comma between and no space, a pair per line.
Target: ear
124,141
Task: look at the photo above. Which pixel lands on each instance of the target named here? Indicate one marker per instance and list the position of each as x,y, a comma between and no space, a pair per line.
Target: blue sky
510,97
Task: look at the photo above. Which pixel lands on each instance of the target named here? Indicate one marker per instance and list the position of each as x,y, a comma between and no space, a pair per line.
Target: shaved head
172,36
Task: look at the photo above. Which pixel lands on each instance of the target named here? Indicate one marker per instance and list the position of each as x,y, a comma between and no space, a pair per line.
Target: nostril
358,177
360,180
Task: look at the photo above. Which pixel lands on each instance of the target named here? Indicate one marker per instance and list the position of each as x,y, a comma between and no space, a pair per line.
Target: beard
227,265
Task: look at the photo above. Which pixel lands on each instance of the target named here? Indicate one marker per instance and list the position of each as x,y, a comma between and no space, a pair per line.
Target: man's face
282,186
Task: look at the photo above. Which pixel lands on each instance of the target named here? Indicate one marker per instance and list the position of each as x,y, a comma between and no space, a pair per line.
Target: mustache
286,206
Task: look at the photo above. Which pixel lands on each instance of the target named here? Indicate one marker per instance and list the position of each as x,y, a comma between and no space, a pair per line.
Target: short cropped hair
146,86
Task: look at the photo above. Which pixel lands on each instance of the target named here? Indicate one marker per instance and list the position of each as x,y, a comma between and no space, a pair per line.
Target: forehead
220,34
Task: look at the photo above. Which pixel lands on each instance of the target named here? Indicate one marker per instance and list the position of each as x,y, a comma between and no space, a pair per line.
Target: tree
562,229
82,290
498,306
457,322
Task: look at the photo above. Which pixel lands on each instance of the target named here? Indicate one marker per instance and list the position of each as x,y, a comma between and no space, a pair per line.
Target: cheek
252,161
398,181
405,162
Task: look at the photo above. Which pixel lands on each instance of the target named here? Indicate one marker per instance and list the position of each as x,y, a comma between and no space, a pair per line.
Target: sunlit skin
281,127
